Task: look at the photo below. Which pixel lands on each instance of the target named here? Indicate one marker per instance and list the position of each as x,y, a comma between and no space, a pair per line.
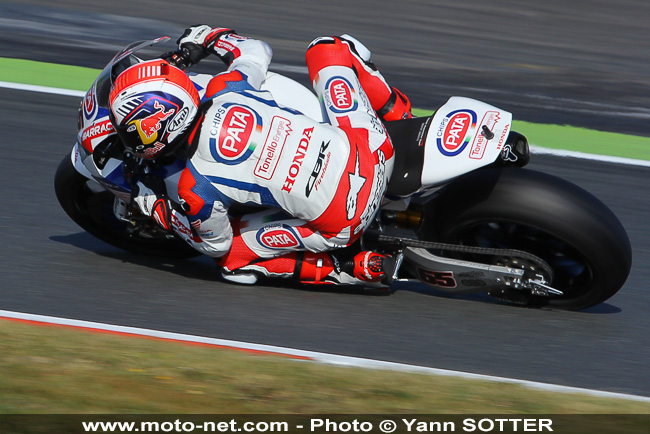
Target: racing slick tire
581,239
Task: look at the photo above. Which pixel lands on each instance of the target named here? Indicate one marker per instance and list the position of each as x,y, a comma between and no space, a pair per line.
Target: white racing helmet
152,105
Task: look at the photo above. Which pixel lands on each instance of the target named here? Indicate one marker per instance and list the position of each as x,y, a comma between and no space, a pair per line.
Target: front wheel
93,211
572,231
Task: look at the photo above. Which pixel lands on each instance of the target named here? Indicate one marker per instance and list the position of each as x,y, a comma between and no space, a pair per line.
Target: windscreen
121,61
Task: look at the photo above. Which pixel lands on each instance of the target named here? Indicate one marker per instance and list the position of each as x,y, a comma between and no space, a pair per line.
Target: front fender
77,157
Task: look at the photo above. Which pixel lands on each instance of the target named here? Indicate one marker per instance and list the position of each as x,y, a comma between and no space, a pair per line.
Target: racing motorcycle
462,215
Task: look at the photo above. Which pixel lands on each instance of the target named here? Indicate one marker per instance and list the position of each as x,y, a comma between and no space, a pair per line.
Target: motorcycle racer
318,185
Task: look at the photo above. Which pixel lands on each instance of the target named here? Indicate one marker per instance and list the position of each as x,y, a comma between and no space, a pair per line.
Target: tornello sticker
273,146
490,120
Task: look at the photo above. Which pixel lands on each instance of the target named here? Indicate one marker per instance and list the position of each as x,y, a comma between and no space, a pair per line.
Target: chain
410,242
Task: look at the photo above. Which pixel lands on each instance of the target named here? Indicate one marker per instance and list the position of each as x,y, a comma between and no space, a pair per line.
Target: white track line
332,359
534,149
42,89
594,157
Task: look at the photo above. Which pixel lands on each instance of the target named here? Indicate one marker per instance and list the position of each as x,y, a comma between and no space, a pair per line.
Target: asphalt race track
556,62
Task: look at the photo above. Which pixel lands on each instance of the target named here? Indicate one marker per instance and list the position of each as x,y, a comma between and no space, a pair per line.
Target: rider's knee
327,51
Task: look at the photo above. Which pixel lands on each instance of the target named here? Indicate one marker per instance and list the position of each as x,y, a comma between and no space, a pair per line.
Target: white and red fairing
455,143
95,126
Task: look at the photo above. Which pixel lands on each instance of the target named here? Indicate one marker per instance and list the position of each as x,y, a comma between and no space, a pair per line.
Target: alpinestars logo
272,150
356,184
376,193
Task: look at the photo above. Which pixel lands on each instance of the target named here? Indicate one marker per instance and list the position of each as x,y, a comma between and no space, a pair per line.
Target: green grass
548,136
47,74
62,370
566,137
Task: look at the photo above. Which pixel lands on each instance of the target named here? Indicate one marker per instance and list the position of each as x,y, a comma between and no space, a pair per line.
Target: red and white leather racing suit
320,184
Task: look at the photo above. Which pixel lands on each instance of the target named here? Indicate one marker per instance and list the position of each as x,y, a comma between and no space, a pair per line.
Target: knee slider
322,40
313,267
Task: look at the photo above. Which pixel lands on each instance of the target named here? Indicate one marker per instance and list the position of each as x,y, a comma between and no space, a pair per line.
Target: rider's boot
343,266
389,103
248,272
365,268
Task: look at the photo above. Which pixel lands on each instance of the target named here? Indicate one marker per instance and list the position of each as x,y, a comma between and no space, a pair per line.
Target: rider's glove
179,58
198,41
156,206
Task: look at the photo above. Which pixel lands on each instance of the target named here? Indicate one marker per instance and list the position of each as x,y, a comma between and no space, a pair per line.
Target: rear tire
93,211
575,233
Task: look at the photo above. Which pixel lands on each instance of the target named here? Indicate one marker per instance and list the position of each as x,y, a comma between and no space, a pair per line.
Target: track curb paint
292,353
